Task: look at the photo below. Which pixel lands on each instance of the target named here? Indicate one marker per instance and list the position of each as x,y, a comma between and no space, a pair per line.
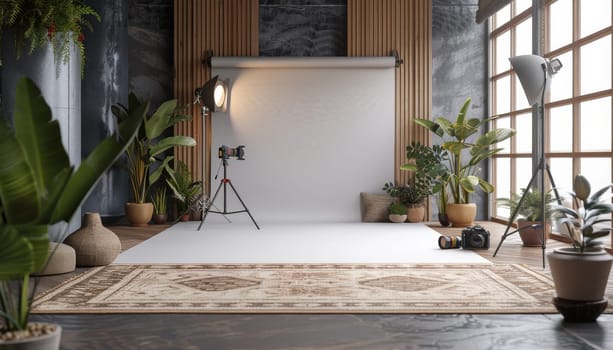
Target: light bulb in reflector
219,95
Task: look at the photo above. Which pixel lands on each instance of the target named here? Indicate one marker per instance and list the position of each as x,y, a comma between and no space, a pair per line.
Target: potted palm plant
159,201
529,214
186,192
465,152
397,212
412,196
431,173
148,148
580,272
39,187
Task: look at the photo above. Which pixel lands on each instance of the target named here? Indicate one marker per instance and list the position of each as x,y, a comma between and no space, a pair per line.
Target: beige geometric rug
302,288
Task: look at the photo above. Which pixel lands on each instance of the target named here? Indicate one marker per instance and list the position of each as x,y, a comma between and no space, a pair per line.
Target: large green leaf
160,120
430,125
102,157
170,142
463,111
24,250
39,136
155,176
18,193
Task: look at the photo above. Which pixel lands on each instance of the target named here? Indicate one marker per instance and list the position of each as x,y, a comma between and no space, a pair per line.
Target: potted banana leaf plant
147,149
39,187
465,150
581,272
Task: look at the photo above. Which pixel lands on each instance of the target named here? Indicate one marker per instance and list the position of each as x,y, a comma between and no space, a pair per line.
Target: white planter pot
45,342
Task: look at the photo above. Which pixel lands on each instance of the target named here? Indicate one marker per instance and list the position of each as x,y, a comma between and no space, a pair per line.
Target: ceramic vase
94,244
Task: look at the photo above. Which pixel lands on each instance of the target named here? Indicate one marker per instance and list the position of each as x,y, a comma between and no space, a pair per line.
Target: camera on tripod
226,152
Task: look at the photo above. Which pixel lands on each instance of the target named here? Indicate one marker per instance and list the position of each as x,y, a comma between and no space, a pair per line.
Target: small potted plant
412,196
186,192
397,212
158,199
581,272
529,214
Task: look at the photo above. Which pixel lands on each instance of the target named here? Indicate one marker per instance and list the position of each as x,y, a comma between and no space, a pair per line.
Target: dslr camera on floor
473,237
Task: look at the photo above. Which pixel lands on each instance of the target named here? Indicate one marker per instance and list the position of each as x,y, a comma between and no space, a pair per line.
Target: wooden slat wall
229,28
376,27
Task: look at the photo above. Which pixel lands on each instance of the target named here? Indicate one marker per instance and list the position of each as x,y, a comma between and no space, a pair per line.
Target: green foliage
186,191
38,188
407,194
148,147
37,22
398,209
158,199
464,154
531,208
591,211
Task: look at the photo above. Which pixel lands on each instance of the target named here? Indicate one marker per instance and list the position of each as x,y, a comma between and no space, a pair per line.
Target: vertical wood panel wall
228,28
376,27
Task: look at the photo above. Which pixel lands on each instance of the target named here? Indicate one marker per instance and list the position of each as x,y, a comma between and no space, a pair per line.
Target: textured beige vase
461,215
139,214
580,277
416,213
94,244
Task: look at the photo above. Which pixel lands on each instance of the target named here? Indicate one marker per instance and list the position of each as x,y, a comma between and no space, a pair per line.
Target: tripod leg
514,213
206,211
244,206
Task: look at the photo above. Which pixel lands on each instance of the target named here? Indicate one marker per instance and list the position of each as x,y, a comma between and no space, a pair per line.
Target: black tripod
225,182
543,167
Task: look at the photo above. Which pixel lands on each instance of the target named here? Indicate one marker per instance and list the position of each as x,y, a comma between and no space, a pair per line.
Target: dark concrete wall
459,68
303,27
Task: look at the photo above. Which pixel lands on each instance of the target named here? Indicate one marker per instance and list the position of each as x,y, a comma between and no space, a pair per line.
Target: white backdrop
317,131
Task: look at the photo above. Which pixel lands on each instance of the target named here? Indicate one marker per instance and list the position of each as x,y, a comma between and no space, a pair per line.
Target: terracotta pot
139,214
49,341
185,217
580,276
416,213
94,244
397,218
461,215
160,219
532,237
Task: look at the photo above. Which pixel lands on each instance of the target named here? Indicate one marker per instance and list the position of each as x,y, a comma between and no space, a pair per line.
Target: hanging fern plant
35,23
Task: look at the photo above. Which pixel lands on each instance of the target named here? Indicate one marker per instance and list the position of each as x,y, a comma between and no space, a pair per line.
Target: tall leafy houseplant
580,273
150,144
35,23
39,187
466,149
186,191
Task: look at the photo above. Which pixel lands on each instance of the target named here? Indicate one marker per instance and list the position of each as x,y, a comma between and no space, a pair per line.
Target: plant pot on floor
532,237
94,244
461,215
580,282
415,213
397,218
50,338
139,214
160,219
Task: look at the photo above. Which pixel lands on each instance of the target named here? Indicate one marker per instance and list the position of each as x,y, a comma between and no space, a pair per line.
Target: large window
578,106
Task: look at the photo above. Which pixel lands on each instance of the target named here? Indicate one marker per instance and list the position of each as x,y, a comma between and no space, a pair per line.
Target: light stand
534,73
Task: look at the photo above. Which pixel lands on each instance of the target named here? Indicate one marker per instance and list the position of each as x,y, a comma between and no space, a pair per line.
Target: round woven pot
416,213
461,215
94,244
139,214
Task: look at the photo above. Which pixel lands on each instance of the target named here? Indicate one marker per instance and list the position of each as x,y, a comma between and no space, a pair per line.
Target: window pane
596,65
523,138
595,122
503,183
503,16
523,172
522,5
562,173
503,95
506,144
562,83
597,171
561,129
595,15
503,52
523,38
521,101
560,24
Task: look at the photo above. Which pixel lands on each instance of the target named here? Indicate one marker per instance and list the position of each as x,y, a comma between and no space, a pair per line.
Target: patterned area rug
302,288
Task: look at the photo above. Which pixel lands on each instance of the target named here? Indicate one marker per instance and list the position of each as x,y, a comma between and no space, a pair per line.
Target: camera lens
477,240
449,242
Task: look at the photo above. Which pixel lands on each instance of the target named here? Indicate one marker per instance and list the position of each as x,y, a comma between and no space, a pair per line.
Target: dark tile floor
272,332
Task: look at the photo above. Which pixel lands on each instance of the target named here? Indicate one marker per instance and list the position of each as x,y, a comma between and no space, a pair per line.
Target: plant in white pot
397,212
580,273
529,214
465,151
39,187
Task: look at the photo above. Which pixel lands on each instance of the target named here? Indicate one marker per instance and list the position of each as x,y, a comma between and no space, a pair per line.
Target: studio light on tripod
534,73
213,94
